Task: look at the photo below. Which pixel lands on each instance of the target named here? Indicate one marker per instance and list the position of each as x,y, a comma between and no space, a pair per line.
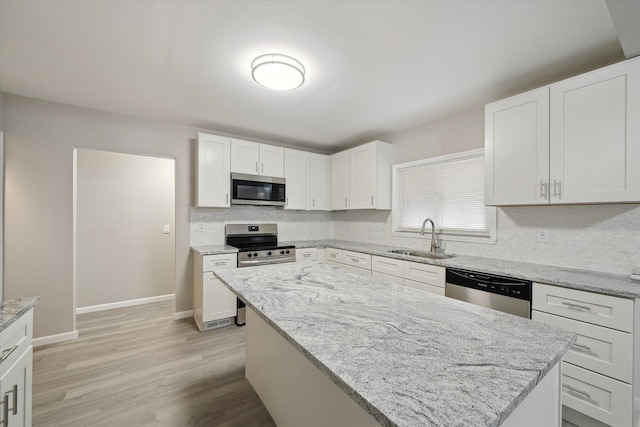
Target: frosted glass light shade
279,72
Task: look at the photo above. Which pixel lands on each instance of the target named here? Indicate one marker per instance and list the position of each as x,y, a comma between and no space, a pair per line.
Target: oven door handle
249,263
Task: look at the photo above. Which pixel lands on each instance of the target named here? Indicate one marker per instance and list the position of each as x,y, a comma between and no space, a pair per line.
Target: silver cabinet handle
14,390
345,202
306,255
573,305
332,255
355,260
217,263
226,199
287,201
371,200
313,203
575,390
582,346
557,189
262,167
544,190
256,167
5,410
7,353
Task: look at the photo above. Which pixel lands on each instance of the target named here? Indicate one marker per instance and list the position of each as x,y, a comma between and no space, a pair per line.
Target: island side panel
295,392
541,407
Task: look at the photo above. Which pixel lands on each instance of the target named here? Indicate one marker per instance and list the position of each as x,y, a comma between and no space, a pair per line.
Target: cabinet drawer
390,266
424,273
599,349
602,310
333,263
218,262
363,271
332,254
307,254
424,287
602,398
15,340
356,259
387,277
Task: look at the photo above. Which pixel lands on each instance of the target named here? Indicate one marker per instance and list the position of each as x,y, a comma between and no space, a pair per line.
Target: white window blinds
449,190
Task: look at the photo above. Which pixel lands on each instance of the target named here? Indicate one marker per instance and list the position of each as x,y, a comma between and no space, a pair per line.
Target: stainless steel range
257,245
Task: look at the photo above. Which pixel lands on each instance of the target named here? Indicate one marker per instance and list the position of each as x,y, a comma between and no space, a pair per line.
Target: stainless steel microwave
257,190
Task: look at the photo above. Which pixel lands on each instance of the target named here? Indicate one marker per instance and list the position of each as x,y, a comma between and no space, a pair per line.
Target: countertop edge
15,308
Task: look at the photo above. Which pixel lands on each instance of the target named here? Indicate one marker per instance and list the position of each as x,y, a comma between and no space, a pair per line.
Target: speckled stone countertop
11,310
603,283
214,249
407,357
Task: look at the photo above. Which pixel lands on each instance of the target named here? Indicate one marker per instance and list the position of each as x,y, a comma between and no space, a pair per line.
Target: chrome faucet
433,246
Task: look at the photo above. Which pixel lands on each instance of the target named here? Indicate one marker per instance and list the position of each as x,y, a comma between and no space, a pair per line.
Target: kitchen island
327,340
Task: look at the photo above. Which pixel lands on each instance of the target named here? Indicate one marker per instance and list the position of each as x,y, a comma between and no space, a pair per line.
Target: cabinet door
271,160
517,150
245,156
363,176
317,181
295,164
15,390
339,194
219,301
595,136
213,174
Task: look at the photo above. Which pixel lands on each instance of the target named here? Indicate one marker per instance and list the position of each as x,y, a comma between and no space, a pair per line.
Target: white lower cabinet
598,371
306,254
16,370
214,305
428,278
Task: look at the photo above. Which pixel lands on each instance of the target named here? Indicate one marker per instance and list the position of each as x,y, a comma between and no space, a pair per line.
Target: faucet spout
433,246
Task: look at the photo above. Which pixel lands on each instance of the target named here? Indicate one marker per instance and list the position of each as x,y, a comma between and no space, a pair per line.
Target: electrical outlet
543,235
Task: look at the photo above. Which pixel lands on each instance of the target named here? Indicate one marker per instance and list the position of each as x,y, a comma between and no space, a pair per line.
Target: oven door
257,190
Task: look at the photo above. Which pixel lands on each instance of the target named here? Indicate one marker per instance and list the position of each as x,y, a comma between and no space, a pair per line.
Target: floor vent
218,323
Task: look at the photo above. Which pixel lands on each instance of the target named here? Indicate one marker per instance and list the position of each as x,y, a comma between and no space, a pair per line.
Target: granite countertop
603,283
11,310
214,249
407,357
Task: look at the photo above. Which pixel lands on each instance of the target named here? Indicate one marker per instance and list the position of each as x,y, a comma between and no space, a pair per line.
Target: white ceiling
373,67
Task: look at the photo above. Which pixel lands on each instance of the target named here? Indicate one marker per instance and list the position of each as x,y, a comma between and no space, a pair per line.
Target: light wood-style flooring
137,366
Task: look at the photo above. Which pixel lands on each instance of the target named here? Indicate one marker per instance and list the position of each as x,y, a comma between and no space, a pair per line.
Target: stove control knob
287,251
255,254
269,253
249,255
281,252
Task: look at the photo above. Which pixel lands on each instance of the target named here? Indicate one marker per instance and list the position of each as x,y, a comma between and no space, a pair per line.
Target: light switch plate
543,235
167,229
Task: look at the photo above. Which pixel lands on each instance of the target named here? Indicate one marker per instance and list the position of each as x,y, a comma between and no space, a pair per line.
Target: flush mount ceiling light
279,72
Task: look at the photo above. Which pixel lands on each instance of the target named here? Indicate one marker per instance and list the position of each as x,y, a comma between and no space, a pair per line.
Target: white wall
123,203
39,140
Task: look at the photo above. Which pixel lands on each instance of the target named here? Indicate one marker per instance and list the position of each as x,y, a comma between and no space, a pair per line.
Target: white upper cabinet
339,180
595,136
517,149
576,141
317,180
296,174
271,160
213,171
361,177
257,159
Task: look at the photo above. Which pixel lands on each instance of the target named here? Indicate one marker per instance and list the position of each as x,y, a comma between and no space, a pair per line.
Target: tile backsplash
591,237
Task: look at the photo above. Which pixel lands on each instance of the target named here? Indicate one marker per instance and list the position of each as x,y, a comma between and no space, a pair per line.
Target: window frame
470,237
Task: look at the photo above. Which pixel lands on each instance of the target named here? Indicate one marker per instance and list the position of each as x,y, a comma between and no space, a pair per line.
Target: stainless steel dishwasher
497,292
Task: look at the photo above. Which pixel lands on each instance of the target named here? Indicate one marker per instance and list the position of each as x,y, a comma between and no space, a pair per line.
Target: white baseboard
183,314
129,303
53,339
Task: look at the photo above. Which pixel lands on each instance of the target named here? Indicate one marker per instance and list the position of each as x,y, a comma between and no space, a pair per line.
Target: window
450,191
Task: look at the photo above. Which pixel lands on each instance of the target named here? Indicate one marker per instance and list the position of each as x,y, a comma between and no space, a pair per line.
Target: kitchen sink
422,254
